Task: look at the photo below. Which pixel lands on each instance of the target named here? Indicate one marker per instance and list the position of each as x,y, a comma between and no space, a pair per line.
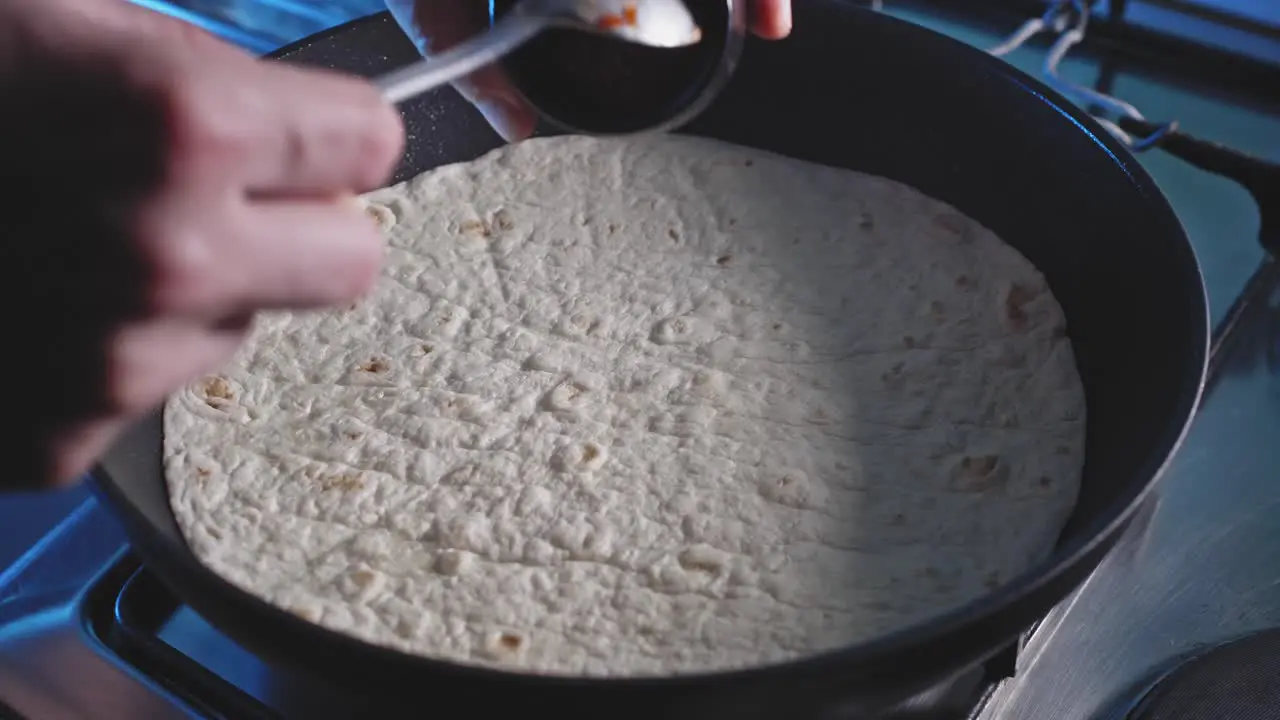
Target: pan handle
1261,177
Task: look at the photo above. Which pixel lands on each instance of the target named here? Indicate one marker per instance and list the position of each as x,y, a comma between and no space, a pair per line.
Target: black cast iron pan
861,90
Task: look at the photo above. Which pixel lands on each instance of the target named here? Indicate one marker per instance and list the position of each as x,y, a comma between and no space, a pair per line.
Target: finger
436,25
273,127
125,22
75,451
151,360
329,133
302,254
502,107
268,126
148,362
771,19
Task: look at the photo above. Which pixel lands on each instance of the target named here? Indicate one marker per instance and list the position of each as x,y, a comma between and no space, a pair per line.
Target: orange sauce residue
626,19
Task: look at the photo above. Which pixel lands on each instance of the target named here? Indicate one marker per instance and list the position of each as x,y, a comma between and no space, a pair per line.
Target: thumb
437,25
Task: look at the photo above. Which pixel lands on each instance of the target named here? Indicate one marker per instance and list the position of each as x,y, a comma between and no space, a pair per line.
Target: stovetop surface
83,636
1198,566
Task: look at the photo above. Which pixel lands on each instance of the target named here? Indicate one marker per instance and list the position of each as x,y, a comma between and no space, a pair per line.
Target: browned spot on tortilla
894,372
217,392
691,562
975,473
955,225
346,482
1014,302
474,227
218,388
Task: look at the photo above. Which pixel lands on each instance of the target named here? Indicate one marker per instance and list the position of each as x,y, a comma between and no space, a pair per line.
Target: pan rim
867,662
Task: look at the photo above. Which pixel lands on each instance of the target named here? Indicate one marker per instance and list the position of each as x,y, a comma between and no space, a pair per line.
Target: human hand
436,25
163,188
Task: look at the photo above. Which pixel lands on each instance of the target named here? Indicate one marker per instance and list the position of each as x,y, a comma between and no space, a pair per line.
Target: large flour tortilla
630,407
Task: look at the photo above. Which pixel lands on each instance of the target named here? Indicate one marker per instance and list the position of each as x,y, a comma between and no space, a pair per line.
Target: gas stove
1178,622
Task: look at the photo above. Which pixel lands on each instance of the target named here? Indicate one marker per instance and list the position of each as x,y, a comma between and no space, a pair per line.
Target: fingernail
507,116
